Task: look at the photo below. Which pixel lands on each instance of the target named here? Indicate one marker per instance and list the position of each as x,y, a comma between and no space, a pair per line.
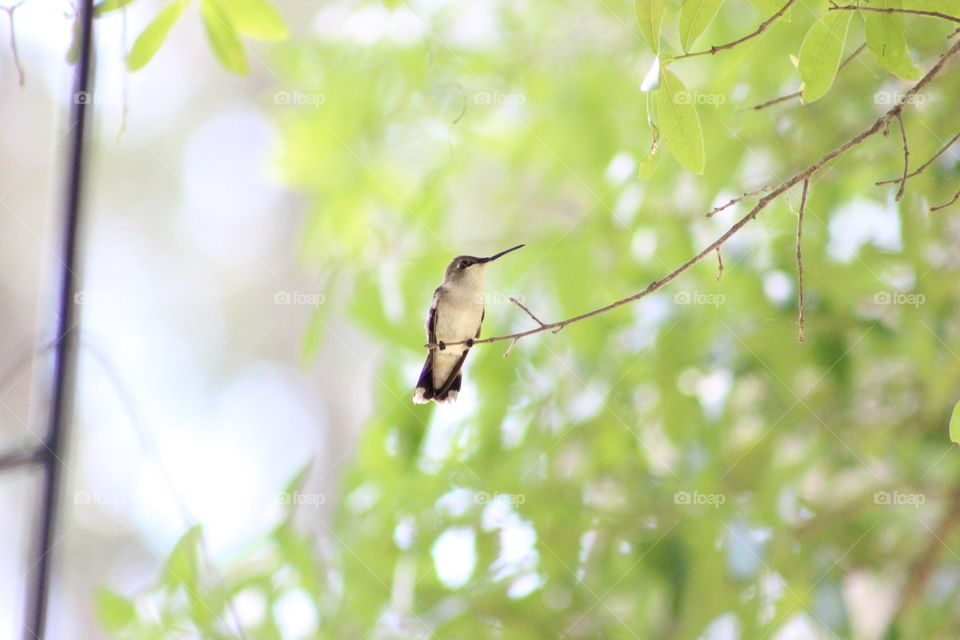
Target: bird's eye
464,264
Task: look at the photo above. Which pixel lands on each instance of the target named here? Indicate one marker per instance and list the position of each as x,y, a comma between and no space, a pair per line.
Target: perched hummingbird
456,314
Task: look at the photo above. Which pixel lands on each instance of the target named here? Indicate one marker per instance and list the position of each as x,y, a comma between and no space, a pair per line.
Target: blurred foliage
675,468
224,21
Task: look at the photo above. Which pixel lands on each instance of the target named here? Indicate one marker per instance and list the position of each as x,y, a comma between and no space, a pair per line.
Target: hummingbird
456,315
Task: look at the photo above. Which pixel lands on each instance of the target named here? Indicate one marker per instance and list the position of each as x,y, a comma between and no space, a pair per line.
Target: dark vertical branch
38,579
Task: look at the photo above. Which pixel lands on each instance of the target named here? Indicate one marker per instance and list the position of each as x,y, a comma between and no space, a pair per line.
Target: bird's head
470,269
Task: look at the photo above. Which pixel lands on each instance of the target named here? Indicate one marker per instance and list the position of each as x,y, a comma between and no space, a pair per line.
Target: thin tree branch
770,103
797,94
803,207
22,458
806,174
734,201
730,45
955,197
719,265
926,164
933,14
906,156
64,366
13,39
529,313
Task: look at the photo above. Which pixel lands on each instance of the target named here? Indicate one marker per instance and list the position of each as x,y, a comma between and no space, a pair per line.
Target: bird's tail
425,391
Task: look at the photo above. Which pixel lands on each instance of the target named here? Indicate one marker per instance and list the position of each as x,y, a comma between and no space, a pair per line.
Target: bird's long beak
502,253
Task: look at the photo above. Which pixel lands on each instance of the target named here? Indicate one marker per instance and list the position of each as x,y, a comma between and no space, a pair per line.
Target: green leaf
149,41
313,335
257,19
955,424
647,166
73,53
695,16
820,53
296,482
109,5
181,567
113,610
885,38
223,37
679,122
650,16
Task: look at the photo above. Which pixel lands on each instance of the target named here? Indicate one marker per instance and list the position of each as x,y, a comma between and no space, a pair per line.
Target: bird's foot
441,345
469,342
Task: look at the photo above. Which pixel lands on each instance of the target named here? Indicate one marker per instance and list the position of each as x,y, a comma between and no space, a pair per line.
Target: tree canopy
682,465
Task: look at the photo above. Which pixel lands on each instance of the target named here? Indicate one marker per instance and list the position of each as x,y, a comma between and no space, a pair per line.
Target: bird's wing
432,318
483,314
455,372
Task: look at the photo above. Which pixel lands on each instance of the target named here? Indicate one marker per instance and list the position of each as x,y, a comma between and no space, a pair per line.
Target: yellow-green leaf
148,42
256,19
820,53
109,5
695,16
955,424
679,122
223,37
885,38
73,53
650,16
113,610
181,567
647,166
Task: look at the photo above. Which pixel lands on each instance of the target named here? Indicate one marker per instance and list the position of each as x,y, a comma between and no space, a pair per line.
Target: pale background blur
187,247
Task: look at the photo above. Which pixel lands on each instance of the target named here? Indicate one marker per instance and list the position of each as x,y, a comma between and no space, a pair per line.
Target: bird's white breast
459,314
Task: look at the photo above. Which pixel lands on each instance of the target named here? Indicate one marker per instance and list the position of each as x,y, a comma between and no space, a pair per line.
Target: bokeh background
260,252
